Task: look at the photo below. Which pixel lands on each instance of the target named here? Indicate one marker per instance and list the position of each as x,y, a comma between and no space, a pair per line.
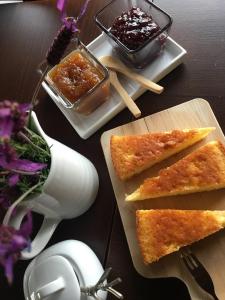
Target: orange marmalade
75,76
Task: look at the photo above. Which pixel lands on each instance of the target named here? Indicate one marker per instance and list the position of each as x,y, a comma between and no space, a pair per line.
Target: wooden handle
125,96
146,83
116,65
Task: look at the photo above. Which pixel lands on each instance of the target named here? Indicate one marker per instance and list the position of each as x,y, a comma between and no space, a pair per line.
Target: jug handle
42,237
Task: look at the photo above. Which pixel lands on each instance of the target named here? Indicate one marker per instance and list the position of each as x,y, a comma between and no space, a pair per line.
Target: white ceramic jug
69,191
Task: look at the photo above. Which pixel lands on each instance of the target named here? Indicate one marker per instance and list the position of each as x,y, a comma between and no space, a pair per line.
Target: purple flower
6,127
13,117
24,107
61,4
13,179
10,161
71,22
12,242
83,10
64,35
19,176
7,153
5,112
23,165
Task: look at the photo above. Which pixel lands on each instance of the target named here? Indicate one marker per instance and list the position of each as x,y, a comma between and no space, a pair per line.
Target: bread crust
202,170
163,231
133,154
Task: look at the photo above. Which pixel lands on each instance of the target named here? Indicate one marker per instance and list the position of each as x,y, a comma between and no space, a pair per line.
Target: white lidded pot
60,272
69,191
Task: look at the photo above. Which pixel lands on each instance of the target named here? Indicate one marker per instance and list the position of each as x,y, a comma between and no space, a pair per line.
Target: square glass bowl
147,50
73,83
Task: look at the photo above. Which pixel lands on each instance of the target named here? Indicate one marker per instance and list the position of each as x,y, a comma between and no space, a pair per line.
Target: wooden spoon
123,93
116,65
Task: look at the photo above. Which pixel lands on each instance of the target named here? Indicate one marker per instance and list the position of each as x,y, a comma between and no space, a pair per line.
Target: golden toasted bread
163,231
136,153
202,170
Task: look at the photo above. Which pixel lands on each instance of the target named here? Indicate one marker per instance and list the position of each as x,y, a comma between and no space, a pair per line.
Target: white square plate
85,126
10,1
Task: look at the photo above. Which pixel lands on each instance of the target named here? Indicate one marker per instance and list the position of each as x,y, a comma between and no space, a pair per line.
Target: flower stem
36,91
21,198
30,142
25,172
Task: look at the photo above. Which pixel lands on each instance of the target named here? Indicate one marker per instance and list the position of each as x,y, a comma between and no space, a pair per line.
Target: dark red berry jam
134,27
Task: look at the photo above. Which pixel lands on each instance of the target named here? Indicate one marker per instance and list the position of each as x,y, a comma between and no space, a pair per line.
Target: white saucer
85,126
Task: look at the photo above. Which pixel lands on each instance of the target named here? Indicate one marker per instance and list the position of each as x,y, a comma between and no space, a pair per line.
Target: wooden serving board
211,250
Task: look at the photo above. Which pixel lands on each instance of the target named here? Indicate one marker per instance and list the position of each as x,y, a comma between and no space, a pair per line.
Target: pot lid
61,271
53,279
69,270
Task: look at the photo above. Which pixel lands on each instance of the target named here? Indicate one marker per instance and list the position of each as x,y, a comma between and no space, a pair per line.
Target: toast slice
160,232
136,153
202,170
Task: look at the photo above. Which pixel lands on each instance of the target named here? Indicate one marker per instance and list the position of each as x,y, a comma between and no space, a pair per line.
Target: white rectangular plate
85,126
10,1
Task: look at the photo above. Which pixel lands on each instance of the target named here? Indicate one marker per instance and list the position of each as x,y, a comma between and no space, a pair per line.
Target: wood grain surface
191,114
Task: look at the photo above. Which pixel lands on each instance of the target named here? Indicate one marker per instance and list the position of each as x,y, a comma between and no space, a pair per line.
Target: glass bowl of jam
80,81
137,30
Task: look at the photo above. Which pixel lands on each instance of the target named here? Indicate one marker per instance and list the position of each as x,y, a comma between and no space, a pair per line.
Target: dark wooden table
26,32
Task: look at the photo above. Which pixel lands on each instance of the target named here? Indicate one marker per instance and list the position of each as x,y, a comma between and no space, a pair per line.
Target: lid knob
102,285
50,288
